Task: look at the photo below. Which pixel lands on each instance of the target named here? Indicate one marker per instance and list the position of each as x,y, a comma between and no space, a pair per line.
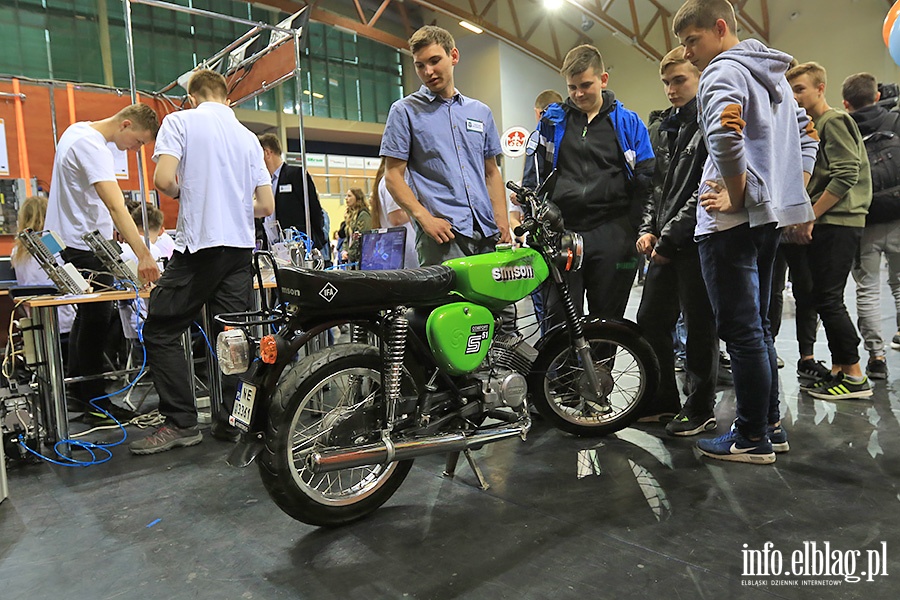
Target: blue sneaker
735,447
778,438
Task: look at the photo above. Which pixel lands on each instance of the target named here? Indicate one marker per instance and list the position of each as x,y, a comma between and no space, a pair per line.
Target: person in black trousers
674,281
290,206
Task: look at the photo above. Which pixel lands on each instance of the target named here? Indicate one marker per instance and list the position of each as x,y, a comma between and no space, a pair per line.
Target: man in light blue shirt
449,143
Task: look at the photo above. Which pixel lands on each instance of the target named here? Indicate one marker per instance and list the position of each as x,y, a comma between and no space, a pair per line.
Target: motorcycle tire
628,371
311,397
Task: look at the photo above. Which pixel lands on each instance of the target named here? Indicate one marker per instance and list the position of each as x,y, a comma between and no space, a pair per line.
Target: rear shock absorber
393,351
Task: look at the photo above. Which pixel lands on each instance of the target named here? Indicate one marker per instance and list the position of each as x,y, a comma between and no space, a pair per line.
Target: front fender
591,322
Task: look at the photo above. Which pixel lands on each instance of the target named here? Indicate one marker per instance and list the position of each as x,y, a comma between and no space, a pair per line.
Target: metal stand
453,461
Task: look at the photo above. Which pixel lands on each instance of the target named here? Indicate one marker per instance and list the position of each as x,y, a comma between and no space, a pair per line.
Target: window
343,76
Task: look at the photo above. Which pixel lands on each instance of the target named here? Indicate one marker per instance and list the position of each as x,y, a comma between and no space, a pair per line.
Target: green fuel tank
497,279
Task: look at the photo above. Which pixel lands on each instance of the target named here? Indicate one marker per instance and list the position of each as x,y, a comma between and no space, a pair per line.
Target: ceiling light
553,4
470,27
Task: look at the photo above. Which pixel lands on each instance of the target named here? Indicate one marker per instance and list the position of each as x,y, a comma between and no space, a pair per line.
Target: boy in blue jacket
762,149
604,163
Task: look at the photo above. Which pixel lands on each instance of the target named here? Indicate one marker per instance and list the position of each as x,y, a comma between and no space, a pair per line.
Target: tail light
233,351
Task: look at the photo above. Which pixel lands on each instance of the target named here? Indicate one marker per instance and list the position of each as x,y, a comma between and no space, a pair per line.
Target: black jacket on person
671,214
885,206
289,205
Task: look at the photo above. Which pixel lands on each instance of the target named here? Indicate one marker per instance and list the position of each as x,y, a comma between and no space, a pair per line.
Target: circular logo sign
513,141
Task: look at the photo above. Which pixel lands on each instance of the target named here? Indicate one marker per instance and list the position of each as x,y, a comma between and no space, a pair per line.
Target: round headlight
572,247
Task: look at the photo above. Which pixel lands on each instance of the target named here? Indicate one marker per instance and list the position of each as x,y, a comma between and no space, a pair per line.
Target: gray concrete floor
647,518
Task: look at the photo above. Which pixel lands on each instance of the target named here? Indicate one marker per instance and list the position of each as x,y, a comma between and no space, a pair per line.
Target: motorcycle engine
503,374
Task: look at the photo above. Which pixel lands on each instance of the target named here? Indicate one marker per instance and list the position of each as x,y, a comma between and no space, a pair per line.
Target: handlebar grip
518,189
519,231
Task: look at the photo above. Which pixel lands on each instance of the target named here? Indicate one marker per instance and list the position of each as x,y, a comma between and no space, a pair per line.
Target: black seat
336,290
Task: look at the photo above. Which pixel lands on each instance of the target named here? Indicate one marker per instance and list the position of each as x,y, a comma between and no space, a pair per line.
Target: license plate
243,406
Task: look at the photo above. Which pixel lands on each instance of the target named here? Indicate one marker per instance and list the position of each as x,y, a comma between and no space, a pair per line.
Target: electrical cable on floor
104,447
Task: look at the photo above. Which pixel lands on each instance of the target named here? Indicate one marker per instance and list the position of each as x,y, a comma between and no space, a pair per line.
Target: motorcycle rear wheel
628,372
307,402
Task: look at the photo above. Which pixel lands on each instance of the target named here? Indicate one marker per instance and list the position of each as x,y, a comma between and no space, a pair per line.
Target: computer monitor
383,249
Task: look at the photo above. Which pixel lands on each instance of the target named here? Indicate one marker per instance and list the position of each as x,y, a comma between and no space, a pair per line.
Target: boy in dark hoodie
762,150
604,163
674,280
882,233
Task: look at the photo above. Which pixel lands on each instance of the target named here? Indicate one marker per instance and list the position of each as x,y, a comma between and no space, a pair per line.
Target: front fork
576,331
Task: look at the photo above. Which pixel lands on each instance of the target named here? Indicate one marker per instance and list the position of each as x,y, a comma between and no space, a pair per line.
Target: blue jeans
737,267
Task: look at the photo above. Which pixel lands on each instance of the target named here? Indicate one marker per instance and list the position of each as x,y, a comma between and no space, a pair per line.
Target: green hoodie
842,168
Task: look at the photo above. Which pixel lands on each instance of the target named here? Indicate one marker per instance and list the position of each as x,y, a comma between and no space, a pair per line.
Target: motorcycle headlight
233,351
572,250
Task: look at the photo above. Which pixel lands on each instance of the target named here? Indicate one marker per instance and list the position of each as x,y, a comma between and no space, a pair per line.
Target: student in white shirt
85,196
28,271
212,165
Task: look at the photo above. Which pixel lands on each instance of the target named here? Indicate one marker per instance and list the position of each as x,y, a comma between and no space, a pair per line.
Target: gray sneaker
166,438
895,341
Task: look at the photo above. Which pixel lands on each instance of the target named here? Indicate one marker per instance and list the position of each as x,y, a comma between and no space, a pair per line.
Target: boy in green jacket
841,191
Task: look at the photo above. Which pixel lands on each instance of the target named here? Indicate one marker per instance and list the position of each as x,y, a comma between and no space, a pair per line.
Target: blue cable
90,446
208,344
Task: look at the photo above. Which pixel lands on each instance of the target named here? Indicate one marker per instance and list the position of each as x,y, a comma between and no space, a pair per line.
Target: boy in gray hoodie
762,150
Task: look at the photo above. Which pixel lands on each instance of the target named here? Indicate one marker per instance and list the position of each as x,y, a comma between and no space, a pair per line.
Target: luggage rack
266,315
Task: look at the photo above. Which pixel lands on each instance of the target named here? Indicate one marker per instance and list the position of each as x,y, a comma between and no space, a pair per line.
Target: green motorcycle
425,371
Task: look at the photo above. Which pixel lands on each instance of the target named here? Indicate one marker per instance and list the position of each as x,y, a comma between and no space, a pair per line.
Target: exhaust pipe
383,453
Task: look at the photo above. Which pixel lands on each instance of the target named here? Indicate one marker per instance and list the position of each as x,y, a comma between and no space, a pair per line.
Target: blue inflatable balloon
894,45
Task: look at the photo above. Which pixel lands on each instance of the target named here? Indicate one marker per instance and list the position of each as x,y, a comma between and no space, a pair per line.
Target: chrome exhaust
384,453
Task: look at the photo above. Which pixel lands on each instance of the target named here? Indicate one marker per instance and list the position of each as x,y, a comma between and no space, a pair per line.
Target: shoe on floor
679,364
895,341
685,425
811,368
166,438
778,438
840,388
814,384
107,414
779,362
736,448
877,368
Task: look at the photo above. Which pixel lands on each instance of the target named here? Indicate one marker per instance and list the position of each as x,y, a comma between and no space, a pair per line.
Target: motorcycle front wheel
628,373
323,390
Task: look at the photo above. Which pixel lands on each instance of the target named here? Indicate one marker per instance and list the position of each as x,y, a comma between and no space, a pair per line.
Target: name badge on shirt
473,125
285,189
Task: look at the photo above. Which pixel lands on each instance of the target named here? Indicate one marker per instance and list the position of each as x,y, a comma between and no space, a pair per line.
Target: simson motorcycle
425,371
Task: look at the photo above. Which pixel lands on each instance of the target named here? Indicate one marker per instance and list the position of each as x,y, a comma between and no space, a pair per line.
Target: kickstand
453,460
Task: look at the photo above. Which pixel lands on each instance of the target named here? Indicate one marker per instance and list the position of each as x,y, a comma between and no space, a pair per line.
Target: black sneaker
166,438
812,369
107,415
814,384
684,425
895,341
779,362
679,364
877,368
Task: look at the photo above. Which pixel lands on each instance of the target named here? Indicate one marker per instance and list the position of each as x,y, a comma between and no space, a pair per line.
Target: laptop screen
383,249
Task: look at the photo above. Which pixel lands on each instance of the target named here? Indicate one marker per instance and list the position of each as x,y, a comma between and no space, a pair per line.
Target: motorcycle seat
337,290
